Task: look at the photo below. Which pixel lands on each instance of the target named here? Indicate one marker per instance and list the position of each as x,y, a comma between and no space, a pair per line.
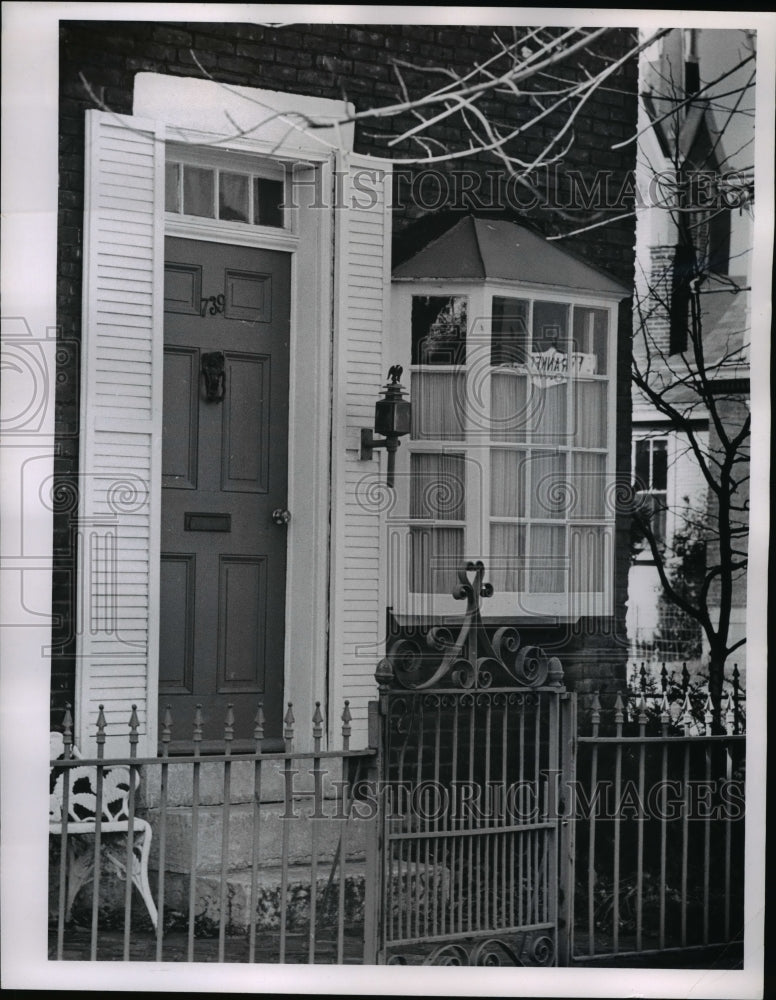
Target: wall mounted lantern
392,420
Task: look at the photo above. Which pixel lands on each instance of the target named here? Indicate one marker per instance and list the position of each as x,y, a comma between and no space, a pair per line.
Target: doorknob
281,516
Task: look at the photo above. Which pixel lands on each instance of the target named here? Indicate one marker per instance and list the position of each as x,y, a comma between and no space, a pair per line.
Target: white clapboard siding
120,425
363,250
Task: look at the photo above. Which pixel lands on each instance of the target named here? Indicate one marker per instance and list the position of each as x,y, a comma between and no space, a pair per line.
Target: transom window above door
511,453
224,193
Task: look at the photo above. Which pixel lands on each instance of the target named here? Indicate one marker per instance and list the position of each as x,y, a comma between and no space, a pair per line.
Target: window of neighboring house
509,449
650,480
210,192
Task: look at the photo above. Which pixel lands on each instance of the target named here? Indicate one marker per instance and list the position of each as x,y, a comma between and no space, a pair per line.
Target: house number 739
216,305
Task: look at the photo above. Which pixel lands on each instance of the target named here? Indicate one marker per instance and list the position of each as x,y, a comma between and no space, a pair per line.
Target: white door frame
309,240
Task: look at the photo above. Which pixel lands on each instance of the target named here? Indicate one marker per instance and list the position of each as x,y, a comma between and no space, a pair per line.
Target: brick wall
98,62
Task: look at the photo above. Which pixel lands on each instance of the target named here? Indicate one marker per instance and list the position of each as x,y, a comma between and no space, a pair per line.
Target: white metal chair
81,812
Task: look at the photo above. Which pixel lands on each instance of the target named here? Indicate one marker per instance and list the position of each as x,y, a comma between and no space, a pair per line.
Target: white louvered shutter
361,324
120,443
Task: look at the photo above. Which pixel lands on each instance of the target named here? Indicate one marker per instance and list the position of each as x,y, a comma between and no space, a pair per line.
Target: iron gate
477,741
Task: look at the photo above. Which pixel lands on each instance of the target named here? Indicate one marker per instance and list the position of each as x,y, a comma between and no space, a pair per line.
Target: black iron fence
659,815
482,824
251,857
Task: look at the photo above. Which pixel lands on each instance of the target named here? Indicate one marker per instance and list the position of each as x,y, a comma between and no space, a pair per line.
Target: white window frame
564,605
644,554
284,237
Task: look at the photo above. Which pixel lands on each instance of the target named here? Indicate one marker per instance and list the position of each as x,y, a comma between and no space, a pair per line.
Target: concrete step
207,895
180,858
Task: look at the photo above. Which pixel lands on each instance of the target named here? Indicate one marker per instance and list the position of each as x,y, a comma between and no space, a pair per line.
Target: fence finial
229,725
317,726
258,726
67,732
101,731
197,734
708,713
346,728
685,678
642,719
134,725
730,717
289,720
665,712
687,714
166,734
664,679
643,678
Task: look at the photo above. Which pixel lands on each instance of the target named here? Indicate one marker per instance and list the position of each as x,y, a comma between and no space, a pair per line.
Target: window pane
546,557
588,483
172,197
507,483
438,329
550,327
588,555
233,197
590,338
509,331
435,557
198,190
548,410
659,465
268,197
437,486
438,400
550,496
509,415
651,507
641,470
507,557
590,413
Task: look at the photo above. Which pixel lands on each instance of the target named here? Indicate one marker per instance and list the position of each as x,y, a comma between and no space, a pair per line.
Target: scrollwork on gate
471,659
526,949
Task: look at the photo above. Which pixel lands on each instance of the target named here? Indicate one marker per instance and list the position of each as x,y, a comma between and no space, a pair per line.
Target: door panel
224,471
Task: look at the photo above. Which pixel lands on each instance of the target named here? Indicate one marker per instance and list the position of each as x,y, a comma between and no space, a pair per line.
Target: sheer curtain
548,489
588,483
435,556
589,547
507,483
590,413
546,558
548,411
438,401
506,568
438,486
508,406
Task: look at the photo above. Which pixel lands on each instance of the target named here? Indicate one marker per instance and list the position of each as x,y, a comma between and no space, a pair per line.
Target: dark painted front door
224,472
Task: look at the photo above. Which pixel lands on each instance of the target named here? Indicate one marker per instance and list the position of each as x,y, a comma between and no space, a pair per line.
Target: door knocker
212,369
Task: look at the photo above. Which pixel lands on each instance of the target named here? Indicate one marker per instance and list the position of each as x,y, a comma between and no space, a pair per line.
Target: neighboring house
699,216
227,325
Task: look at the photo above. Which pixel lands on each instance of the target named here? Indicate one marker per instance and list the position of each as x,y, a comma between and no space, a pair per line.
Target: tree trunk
716,680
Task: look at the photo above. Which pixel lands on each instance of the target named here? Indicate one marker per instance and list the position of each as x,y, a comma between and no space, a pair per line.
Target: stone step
242,780
207,894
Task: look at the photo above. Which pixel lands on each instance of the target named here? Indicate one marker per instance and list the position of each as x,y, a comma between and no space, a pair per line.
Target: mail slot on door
207,522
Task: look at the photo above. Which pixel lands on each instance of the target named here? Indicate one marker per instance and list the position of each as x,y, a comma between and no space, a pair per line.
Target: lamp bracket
369,443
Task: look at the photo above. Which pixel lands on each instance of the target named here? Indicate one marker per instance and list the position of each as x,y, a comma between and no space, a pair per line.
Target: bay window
511,453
